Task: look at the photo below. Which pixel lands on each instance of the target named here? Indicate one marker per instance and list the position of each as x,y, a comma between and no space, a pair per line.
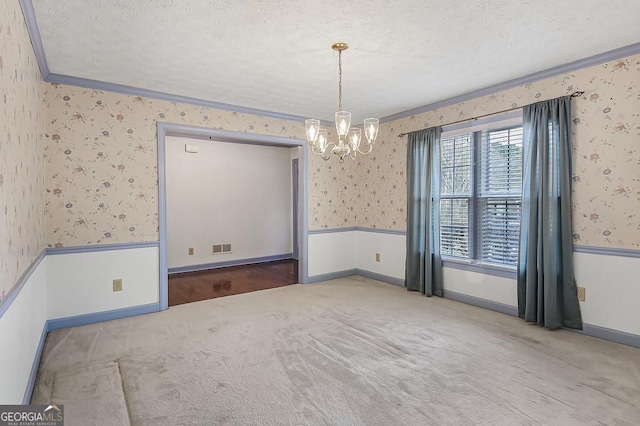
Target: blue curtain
547,293
423,265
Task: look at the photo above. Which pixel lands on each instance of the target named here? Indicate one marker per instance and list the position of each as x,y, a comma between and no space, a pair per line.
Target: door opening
293,266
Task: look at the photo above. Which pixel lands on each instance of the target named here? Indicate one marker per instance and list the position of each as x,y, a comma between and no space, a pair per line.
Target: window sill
480,268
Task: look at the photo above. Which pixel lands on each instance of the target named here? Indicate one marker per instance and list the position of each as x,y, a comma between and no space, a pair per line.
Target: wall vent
221,248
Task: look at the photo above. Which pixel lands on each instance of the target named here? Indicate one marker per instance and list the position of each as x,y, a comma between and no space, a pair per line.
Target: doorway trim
205,133
295,192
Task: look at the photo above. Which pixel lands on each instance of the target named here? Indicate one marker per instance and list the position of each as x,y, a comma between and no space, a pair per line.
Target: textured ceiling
275,54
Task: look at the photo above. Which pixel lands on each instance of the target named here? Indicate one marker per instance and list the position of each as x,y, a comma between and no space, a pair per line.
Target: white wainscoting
392,249
331,252
67,287
21,331
488,287
612,286
81,283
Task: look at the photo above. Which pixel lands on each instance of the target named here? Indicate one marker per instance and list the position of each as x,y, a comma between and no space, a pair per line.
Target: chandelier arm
313,150
327,150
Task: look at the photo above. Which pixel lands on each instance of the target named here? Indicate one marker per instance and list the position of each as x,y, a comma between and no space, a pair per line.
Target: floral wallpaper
101,165
101,157
332,190
606,131
22,224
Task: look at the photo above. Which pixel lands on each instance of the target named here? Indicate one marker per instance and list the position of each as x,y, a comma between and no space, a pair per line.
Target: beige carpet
346,352
92,392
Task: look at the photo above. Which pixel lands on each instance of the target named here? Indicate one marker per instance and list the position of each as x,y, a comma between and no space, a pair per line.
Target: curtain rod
573,95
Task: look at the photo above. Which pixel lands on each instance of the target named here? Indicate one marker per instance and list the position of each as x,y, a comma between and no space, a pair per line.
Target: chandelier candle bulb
371,126
349,140
343,122
312,128
320,143
355,134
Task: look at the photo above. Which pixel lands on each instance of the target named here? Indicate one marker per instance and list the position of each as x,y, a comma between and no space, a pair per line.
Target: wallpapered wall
22,224
101,165
332,189
606,131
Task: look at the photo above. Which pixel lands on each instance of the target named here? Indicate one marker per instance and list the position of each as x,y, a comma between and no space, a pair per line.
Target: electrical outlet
117,284
582,293
377,257
191,251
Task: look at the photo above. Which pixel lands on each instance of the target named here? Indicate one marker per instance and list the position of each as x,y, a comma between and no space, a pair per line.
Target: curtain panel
423,271
547,292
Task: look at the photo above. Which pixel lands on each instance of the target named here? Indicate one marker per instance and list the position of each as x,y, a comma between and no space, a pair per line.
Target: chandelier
349,138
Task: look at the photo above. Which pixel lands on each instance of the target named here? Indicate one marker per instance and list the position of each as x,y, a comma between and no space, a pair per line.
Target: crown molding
36,40
31,22
29,14
598,59
146,93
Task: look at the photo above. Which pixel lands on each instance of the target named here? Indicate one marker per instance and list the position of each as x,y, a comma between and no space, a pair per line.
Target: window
481,187
456,194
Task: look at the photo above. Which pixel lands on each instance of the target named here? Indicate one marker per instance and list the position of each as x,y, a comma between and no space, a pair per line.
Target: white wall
227,193
612,286
21,328
332,252
392,249
483,286
82,283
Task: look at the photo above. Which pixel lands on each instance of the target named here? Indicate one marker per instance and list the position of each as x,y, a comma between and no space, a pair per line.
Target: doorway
195,286
299,230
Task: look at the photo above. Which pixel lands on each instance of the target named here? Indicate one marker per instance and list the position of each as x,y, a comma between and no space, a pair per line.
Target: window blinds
481,190
499,195
455,193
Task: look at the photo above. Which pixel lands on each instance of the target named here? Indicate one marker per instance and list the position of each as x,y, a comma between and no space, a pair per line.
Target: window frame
473,263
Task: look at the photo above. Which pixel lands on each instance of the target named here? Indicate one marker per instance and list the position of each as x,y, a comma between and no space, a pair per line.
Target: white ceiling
276,55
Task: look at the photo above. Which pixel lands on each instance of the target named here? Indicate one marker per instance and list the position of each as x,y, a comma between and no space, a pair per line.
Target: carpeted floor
346,352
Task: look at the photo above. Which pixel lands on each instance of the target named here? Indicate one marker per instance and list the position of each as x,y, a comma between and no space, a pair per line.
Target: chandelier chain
340,80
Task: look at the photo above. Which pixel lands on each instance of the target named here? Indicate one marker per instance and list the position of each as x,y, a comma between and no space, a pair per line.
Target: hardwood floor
202,285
